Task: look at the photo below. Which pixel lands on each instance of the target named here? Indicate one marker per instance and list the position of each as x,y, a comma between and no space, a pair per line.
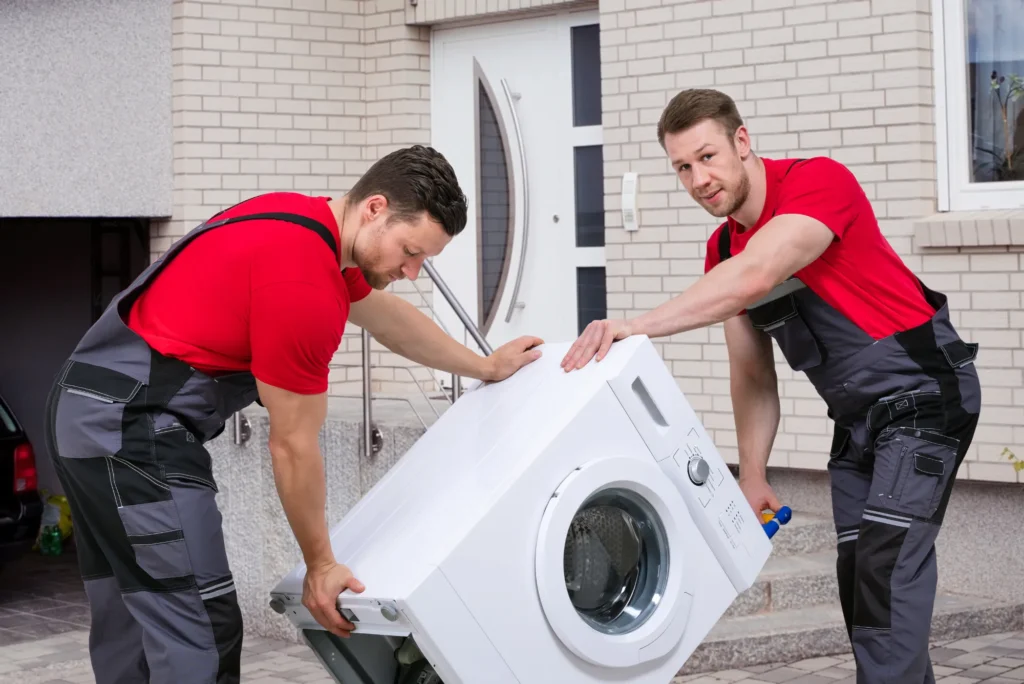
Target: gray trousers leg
115,637
888,497
151,549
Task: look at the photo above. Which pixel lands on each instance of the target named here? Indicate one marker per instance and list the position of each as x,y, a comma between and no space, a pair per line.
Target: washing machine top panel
459,467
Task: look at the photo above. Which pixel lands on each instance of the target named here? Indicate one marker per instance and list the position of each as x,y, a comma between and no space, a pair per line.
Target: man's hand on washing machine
511,356
320,591
759,494
596,340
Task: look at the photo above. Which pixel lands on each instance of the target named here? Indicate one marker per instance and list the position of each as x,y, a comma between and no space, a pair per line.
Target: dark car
21,508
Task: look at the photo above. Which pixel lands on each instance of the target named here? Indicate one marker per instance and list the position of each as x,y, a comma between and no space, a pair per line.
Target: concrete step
795,634
805,533
788,582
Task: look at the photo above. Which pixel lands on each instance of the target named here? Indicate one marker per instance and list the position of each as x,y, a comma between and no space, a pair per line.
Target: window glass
995,74
589,180
494,204
591,295
586,75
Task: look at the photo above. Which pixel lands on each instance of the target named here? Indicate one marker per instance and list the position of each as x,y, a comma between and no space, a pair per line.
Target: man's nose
412,270
700,177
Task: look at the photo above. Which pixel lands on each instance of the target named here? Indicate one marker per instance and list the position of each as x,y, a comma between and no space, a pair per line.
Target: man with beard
800,258
249,306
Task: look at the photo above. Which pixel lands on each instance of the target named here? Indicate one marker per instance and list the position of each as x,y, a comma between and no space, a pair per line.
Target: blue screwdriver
772,521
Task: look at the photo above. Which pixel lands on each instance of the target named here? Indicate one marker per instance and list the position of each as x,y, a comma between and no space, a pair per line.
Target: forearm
719,294
416,337
299,475
755,402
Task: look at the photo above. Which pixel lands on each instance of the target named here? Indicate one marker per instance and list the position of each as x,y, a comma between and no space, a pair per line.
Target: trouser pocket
183,457
913,469
151,522
88,417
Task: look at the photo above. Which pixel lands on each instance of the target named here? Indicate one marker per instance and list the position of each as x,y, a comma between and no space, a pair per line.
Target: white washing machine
562,528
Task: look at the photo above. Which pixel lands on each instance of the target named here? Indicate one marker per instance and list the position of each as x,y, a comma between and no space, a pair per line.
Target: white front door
515,108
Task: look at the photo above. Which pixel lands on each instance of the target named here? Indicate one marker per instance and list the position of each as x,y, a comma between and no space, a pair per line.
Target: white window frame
956,191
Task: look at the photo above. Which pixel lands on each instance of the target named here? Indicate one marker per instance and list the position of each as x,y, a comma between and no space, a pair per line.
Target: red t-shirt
859,275
264,296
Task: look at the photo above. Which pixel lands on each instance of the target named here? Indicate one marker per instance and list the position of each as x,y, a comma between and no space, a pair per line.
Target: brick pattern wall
849,79
396,97
306,94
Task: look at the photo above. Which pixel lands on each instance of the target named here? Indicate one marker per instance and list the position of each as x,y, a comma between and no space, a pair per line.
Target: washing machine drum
613,553
613,589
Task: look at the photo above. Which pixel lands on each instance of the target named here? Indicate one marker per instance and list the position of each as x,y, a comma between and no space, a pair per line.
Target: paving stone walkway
64,659
44,638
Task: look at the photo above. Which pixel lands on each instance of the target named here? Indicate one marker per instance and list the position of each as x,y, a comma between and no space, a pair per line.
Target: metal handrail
459,311
372,440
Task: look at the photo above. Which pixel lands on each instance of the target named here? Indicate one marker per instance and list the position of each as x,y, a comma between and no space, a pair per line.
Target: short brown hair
690,107
416,179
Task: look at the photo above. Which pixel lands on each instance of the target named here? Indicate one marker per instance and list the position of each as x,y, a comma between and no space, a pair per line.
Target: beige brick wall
298,95
305,94
849,79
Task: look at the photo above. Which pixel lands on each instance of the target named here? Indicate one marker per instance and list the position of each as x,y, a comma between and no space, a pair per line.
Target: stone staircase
792,612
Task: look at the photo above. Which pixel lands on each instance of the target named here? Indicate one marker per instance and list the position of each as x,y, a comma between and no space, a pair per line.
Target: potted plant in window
1002,164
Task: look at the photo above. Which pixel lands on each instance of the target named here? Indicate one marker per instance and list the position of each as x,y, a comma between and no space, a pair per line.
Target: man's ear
742,142
374,206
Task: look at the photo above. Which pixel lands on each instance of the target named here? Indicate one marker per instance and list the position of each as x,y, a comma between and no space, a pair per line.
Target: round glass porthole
615,561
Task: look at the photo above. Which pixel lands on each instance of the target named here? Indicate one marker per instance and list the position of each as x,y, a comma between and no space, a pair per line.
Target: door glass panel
591,295
494,197
586,75
589,178
616,561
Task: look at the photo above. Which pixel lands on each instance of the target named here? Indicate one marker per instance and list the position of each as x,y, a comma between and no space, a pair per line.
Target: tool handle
781,517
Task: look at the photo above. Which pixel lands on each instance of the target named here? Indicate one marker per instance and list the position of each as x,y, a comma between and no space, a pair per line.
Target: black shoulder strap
304,221
724,242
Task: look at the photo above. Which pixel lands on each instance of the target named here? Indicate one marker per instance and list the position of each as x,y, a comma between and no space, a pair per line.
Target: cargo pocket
913,470
90,410
151,522
781,319
185,461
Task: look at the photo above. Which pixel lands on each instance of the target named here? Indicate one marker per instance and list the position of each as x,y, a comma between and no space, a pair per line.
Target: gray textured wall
85,108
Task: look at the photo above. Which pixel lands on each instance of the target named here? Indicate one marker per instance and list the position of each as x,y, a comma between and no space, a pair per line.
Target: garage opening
56,277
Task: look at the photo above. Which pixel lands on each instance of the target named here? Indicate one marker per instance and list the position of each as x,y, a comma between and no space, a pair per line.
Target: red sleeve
295,329
356,284
711,255
822,189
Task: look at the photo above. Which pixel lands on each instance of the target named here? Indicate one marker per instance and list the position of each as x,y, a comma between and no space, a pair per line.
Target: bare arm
755,394
295,422
407,331
782,247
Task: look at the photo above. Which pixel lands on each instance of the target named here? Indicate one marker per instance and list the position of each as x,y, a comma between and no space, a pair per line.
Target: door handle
515,303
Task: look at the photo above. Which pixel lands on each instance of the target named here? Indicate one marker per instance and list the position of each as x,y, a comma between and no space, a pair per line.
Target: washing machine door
613,573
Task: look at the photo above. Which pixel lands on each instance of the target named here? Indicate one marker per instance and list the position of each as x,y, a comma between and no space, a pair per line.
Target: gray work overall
905,408
126,428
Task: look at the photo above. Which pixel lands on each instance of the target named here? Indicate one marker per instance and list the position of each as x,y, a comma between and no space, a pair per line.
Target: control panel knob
698,470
